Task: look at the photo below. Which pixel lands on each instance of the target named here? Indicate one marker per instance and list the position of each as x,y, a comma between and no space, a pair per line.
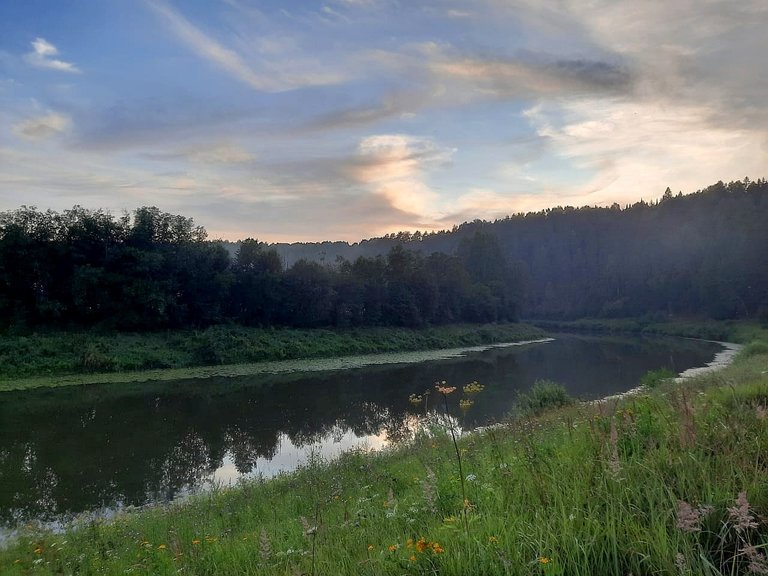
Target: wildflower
17,561
195,542
161,547
544,560
473,388
39,550
415,399
443,389
421,544
688,517
449,519
471,477
436,548
308,530
412,558
757,561
493,540
465,404
680,563
265,547
740,515
409,543
468,506
392,547
370,547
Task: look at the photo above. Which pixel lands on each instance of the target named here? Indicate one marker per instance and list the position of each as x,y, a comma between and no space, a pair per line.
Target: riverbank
668,481
64,358
739,331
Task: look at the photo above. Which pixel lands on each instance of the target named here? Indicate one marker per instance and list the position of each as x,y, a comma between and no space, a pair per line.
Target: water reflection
68,450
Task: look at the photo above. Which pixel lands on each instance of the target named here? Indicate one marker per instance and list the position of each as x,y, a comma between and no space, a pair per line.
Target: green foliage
755,348
51,354
654,378
543,395
664,483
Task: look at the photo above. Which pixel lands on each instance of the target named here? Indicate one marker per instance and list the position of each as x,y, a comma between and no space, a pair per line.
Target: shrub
543,395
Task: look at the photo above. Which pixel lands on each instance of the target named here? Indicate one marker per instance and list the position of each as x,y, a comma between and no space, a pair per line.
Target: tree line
701,254
153,270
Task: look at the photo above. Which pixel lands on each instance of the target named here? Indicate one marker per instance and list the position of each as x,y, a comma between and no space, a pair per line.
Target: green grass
654,378
579,490
43,356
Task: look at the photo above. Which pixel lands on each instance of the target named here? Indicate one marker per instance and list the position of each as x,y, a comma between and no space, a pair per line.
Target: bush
543,395
755,348
653,378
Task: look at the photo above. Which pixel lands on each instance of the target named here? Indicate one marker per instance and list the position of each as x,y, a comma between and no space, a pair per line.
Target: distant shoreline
240,352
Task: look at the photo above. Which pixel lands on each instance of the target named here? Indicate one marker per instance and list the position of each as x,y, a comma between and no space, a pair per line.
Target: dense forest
703,254
157,270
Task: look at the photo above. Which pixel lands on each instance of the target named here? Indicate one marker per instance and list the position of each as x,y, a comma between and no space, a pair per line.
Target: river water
72,450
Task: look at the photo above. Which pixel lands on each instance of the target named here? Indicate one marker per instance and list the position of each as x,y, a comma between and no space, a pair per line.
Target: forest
154,270
698,255
695,255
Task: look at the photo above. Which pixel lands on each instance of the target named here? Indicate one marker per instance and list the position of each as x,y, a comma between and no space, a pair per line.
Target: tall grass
672,481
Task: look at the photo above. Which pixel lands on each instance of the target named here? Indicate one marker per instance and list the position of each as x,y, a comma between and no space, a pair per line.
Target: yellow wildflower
436,548
412,558
370,547
473,388
161,547
392,547
465,403
421,544
544,560
493,540
195,542
409,543
39,550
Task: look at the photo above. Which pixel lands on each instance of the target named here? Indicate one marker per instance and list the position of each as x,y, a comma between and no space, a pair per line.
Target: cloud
43,127
276,78
207,154
42,57
639,148
395,165
533,76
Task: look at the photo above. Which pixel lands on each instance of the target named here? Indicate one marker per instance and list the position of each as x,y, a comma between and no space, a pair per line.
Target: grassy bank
739,331
60,354
668,482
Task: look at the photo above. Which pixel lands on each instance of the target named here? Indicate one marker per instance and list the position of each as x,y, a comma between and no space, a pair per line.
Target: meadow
669,481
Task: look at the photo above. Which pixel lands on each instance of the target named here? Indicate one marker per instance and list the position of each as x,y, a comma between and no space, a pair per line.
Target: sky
291,120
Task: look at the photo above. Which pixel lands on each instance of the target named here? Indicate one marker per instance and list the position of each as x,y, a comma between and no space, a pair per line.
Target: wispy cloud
274,79
42,56
216,154
533,76
42,127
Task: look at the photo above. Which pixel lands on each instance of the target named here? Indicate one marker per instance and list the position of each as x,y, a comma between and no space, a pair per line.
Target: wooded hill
703,254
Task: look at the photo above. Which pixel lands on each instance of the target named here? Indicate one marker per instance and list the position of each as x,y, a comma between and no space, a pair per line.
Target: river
72,450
